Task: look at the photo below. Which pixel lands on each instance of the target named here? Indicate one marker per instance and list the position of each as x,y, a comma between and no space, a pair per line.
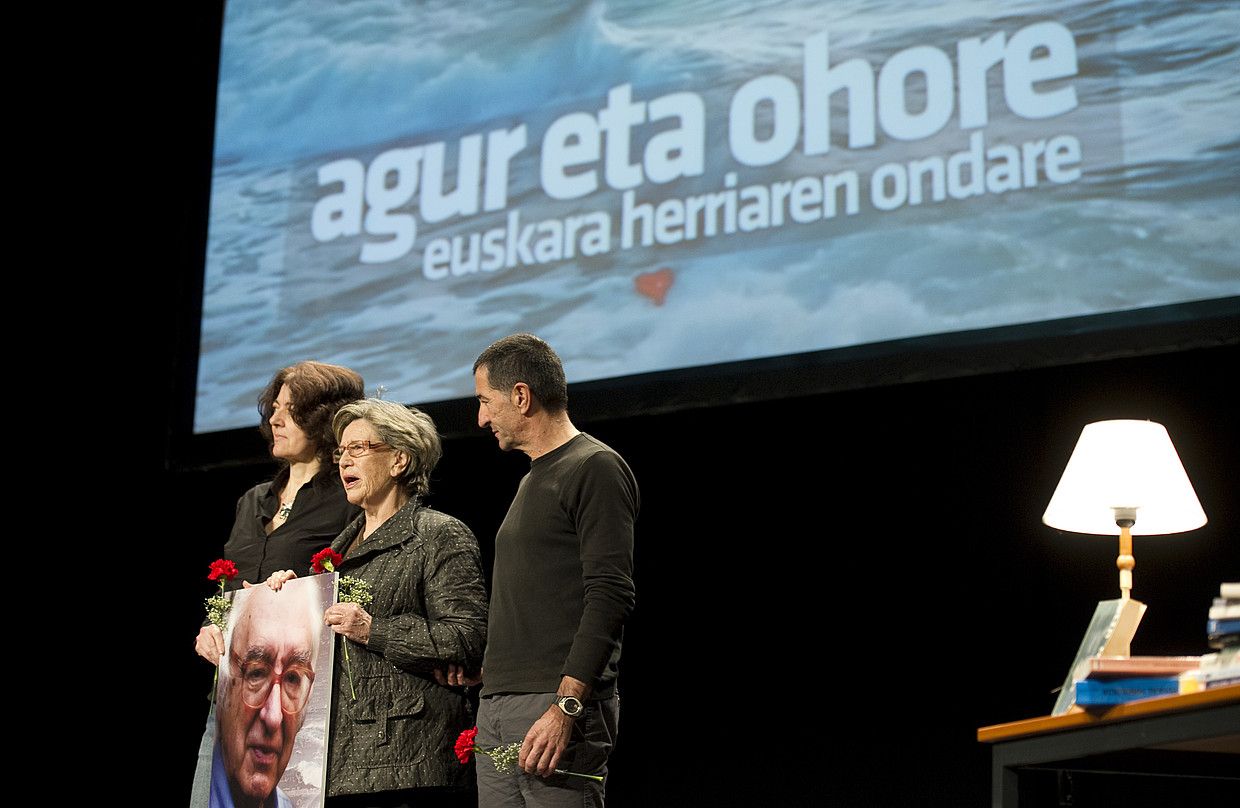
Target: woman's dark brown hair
316,390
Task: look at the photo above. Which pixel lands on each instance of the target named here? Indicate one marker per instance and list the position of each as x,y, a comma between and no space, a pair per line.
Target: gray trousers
201,795
505,719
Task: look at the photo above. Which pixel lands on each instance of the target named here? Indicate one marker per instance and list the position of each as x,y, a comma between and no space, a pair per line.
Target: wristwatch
571,706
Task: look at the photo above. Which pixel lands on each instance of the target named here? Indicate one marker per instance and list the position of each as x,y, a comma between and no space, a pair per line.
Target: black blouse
319,513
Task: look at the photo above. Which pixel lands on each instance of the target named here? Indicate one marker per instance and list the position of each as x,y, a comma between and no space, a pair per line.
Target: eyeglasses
257,679
358,448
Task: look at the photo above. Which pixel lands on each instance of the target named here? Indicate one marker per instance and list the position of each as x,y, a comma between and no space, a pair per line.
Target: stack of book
1104,681
1223,634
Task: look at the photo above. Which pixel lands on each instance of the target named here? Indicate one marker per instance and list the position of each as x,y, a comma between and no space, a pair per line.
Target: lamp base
1110,633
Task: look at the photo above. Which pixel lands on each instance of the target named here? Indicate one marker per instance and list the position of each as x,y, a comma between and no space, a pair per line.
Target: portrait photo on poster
273,698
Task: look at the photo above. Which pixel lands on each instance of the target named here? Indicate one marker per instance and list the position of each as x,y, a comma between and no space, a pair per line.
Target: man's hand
210,643
546,742
455,676
350,620
548,738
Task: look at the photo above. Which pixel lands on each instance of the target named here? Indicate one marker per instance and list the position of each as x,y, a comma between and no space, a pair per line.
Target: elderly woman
281,523
428,612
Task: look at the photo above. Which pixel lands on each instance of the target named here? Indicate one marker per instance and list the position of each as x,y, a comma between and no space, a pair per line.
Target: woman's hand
349,620
210,643
278,578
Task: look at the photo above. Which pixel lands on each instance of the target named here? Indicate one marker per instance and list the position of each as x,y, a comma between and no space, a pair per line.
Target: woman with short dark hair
281,523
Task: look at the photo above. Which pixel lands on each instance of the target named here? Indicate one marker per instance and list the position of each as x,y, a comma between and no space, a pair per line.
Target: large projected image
656,185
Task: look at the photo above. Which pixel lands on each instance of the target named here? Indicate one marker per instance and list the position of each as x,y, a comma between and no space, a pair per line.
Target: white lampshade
1124,464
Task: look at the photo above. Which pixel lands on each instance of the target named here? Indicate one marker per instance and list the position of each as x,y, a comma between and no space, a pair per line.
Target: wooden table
1128,738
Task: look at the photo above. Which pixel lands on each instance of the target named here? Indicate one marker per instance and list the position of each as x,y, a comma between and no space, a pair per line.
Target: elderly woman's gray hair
405,429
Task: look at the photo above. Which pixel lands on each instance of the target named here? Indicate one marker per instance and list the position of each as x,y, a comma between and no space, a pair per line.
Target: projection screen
659,185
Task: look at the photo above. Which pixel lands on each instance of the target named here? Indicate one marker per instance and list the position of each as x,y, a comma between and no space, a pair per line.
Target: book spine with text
1101,692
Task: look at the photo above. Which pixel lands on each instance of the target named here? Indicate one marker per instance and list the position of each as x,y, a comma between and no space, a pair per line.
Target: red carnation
465,745
504,757
325,560
222,568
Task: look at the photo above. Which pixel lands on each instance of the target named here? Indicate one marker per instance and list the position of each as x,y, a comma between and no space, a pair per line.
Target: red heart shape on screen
654,285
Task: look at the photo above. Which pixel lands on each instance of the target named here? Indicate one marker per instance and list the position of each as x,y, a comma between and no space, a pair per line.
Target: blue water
1153,219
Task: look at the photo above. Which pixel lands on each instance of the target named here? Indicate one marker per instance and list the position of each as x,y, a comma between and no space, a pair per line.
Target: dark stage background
834,591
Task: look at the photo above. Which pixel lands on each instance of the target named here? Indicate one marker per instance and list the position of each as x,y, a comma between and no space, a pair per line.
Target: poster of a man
273,698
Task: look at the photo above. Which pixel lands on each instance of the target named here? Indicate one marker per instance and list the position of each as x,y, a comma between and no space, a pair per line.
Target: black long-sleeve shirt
563,580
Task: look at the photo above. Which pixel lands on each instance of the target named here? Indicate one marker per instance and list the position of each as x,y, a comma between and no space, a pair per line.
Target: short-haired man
562,587
265,681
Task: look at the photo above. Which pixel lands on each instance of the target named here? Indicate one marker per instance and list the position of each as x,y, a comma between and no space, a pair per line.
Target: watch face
571,705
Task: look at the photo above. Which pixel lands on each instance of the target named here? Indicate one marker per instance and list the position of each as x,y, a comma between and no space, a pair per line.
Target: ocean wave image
662,185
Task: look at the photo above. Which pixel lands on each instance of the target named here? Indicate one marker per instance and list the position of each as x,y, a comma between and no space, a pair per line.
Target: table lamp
1124,478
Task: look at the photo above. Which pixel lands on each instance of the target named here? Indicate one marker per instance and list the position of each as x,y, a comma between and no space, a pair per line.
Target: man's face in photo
270,655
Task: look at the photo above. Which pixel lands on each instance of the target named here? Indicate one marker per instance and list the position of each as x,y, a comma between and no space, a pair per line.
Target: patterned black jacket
429,609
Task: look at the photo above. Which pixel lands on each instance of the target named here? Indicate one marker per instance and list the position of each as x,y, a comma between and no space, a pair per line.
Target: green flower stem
220,621
597,778
348,666
350,590
505,756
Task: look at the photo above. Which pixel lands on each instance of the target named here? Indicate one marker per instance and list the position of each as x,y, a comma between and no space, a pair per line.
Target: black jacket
429,609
